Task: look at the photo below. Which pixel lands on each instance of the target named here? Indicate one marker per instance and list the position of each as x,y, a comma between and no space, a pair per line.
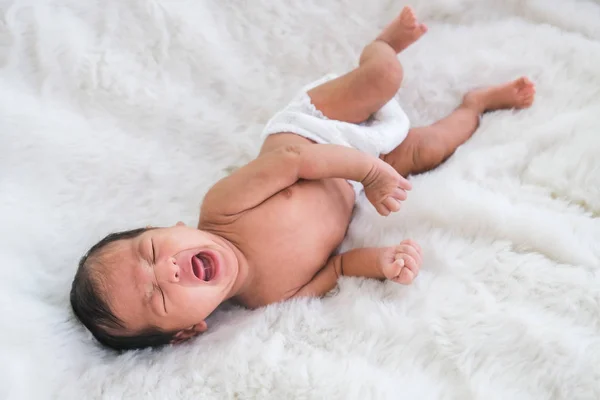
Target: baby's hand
401,263
385,188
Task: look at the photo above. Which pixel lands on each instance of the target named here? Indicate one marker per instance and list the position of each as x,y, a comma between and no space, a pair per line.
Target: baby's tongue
198,267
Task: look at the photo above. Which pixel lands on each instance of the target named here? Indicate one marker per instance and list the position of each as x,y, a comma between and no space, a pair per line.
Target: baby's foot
403,31
516,94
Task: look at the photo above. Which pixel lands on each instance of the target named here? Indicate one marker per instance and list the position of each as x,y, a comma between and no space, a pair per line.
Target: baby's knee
386,74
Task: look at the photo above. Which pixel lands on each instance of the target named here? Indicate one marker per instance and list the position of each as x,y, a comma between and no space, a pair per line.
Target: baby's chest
291,236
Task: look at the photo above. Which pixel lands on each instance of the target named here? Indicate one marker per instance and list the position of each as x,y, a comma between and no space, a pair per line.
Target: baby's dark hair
93,310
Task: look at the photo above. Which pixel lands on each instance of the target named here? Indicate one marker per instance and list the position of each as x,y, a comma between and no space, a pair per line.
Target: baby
269,231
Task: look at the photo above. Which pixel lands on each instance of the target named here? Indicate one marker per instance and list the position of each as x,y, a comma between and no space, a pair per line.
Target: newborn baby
269,231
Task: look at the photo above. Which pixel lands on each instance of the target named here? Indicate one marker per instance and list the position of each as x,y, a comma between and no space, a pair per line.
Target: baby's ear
179,223
189,333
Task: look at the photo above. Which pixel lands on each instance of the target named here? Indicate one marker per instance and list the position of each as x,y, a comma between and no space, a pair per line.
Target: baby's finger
404,183
382,209
405,277
414,244
392,204
392,270
416,247
410,251
399,194
410,263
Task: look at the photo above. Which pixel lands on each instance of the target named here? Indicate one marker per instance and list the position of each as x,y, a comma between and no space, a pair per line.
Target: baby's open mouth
203,267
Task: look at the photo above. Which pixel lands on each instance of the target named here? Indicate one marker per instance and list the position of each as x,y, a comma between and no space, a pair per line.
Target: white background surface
120,113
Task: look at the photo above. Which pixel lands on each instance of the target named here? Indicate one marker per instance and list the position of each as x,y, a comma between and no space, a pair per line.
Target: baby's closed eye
157,289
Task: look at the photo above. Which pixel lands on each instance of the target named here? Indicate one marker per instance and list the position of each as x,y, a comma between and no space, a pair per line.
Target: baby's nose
171,273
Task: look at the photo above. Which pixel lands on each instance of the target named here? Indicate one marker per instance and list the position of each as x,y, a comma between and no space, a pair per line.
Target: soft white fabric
122,113
381,134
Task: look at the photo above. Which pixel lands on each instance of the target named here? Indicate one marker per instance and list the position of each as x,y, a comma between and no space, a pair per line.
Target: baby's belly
293,234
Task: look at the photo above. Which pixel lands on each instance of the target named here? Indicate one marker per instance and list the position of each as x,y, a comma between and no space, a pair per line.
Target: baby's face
170,278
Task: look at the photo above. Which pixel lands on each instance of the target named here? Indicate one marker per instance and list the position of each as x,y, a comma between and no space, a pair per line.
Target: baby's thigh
277,140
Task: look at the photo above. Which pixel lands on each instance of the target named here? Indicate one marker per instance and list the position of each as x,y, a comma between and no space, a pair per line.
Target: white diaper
382,133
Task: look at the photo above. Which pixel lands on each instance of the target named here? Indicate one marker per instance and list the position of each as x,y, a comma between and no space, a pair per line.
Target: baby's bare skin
289,235
269,231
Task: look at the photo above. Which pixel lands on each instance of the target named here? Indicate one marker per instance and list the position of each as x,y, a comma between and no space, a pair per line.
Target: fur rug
116,114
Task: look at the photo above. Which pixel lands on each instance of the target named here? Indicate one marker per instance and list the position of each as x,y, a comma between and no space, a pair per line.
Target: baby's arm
274,171
398,263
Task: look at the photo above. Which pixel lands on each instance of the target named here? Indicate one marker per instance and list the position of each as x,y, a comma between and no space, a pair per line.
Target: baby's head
153,286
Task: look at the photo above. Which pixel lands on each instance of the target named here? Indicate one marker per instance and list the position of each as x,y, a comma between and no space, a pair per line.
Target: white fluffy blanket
119,113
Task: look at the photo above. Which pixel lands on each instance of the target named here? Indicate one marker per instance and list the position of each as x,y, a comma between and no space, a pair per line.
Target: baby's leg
427,147
354,97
